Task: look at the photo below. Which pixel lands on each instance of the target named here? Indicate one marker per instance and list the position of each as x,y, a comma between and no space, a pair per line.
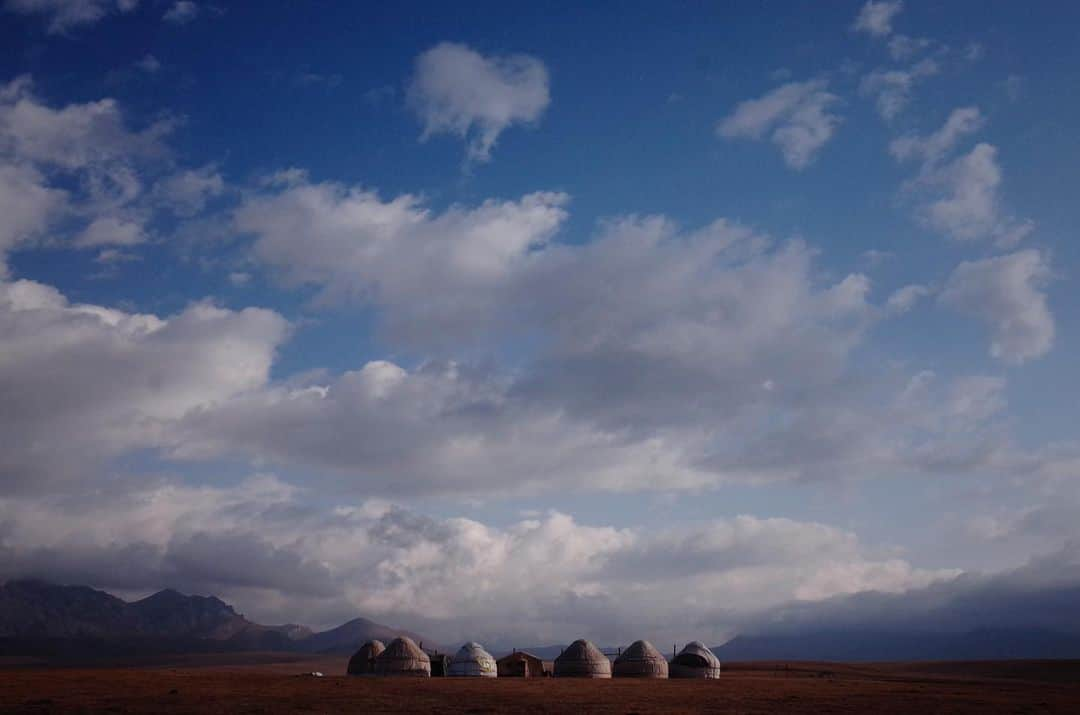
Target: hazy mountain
870,645
1028,612
49,619
348,636
39,609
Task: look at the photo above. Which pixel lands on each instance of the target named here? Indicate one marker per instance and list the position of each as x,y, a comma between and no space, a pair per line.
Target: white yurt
403,657
363,661
641,660
695,661
472,660
582,659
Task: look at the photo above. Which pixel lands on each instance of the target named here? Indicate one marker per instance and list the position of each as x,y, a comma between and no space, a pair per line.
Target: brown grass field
268,683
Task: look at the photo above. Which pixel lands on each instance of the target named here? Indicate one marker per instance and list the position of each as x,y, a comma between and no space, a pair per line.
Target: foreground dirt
269,684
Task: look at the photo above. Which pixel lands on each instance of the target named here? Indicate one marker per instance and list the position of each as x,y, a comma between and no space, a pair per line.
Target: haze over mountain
1030,612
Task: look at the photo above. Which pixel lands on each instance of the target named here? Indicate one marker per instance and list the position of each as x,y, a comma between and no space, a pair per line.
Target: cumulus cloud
82,383
795,116
902,47
962,195
78,136
1005,292
689,322
440,429
456,90
111,231
186,193
544,579
79,173
931,149
904,299
64,15
350,243
28,206
876,17
892,88
970,208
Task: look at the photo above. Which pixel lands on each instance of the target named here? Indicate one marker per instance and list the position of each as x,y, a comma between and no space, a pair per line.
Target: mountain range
41,618
38,618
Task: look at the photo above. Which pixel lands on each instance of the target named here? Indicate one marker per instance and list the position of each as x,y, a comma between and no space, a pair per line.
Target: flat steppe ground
273,683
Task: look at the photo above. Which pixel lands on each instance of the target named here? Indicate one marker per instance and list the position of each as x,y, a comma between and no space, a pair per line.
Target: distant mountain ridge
39,616
853,645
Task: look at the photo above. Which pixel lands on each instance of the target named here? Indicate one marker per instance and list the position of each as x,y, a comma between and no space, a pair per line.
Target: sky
528,324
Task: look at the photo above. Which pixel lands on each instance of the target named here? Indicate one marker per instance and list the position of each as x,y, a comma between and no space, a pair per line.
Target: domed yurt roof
363,660
641,660
582,660
403,657
695,661
472,660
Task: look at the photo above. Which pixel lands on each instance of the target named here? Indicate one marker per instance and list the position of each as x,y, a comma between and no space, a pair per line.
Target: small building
640,660
582,659
403,658
695,661
363,660
473,661
521,664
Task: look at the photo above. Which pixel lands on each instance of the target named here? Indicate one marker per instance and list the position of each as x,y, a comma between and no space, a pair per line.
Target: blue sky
331,309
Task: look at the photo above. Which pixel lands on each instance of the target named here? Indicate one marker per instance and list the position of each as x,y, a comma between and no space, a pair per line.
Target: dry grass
269,684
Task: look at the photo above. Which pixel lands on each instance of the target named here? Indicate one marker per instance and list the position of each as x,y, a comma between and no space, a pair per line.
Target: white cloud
538,580
113,256
1006,293
456,90
931,149
688,322
78,136
902,47
962,196
970,207
86,382
892,88
796,116
351,243
181,12
101,164
111,231
187,192
28,206
904,299
444,429
969,210
876,17
64,15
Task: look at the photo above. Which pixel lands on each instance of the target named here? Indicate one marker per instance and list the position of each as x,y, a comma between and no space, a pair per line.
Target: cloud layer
535,581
